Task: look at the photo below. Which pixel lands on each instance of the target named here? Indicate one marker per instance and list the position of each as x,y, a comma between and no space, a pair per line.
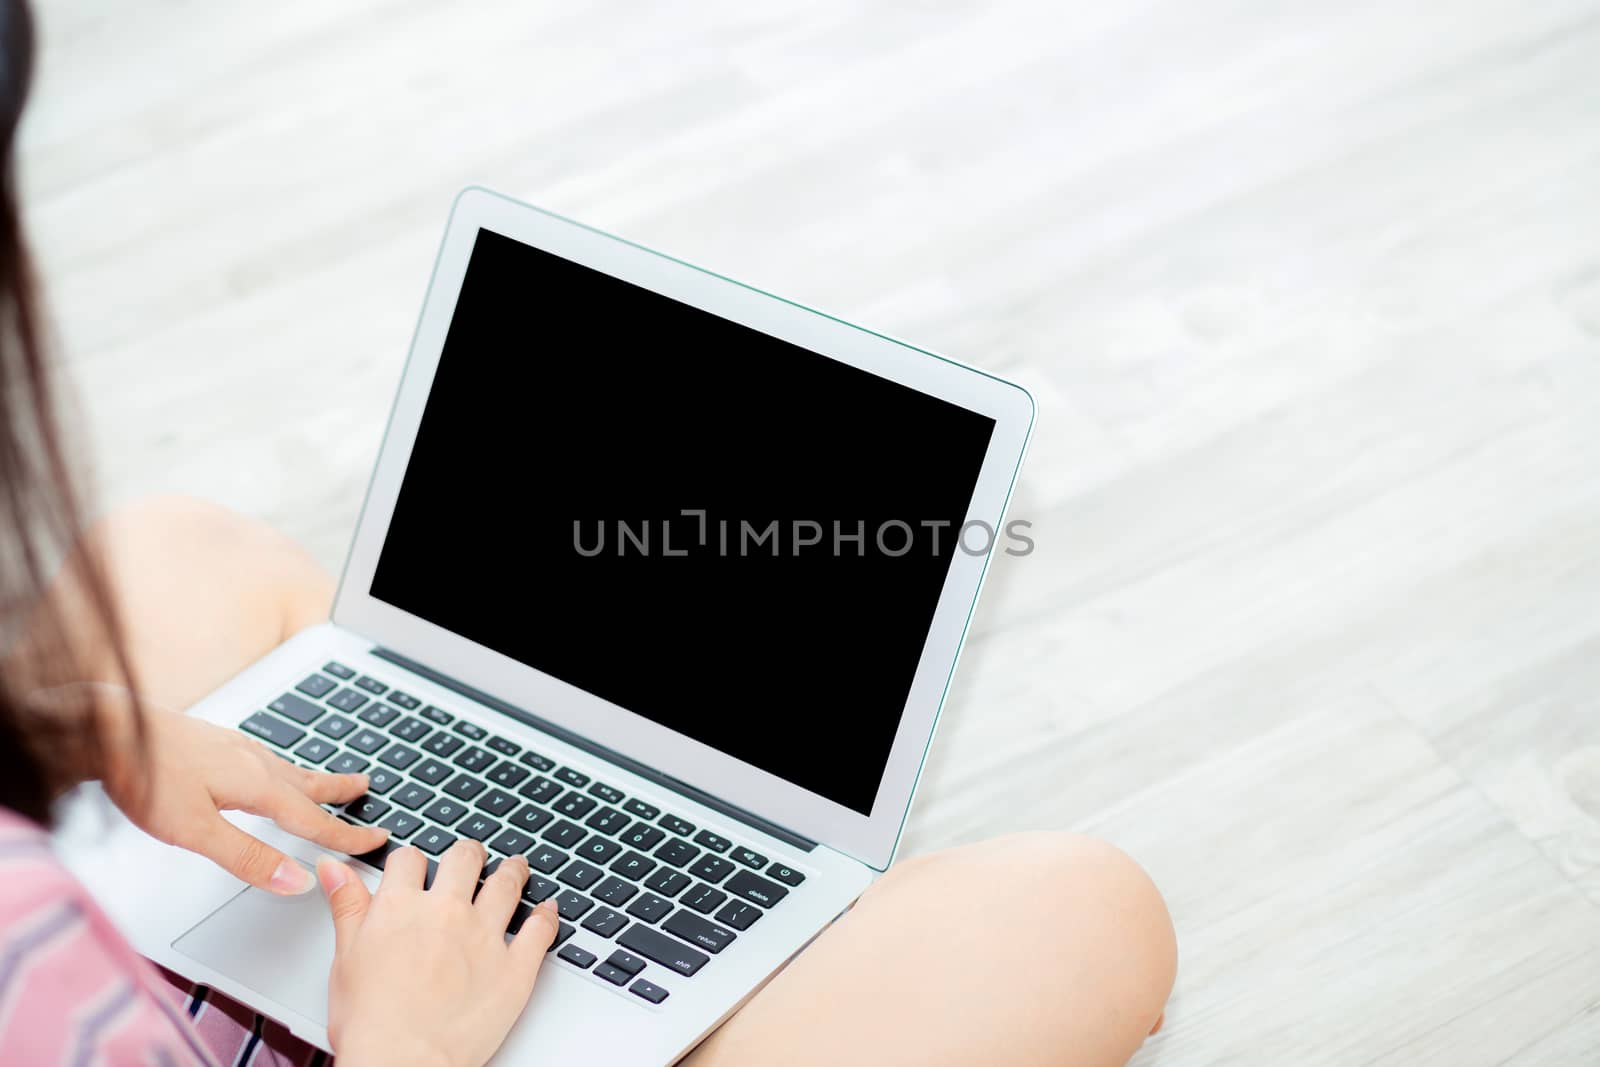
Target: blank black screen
574,419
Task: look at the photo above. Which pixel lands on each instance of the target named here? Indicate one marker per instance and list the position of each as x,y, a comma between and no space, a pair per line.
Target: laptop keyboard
660,888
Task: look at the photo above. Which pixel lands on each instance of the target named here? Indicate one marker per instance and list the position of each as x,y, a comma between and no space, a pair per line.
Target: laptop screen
739,539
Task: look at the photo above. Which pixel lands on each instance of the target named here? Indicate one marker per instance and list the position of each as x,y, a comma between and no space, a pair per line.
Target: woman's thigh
1029,949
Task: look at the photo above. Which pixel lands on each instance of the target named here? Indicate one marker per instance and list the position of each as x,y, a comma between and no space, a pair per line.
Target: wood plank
1310,300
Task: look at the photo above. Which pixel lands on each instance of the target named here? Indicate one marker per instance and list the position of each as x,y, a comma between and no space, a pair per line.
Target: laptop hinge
665,781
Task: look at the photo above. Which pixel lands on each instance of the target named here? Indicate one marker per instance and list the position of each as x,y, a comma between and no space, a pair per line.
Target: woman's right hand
426,977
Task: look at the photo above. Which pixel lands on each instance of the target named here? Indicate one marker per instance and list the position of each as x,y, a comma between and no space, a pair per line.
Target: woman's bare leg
202,592
1041,948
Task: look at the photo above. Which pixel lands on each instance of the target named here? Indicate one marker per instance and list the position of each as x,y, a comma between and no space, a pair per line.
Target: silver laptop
660,580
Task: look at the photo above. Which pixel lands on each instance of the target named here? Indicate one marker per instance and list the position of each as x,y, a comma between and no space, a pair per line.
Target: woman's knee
169,538
200,592
1120,896
165,524
1082,896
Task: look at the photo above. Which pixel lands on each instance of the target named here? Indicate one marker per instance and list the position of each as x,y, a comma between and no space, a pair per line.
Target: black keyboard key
316,750
497,802
606,793
634,866
699,932
434,840
640,809
563,931
438,715
711,869
372,685
580,875
413,796
750,859
401,825
668,882
272,729
574,804
626,961
367,808
572,777
530,819
399,756
433,868
704,899
612,974
299,709
571,906
317,687
654,945
598,850
578,957
707,839
643,837
478,827
508,774
335,726
615,891
649,991
443,745
606,821
511,842
347,763
473,759
381,780
502,746
445,811
464,786
380,855
538,889
564,833
538,762
676,852
677,825
547,859
519,915
431,771
348,700
755,888
339,670
540,789
739,915
366,742
649,908
605,922
379,715
786,875
404,700
470,729
412,729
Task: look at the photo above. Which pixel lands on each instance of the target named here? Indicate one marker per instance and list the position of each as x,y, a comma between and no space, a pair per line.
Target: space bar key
668,952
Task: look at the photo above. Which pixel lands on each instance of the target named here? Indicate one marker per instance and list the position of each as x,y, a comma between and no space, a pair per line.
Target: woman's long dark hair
44,746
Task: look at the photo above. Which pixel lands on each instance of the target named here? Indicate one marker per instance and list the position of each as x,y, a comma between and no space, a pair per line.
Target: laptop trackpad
281,947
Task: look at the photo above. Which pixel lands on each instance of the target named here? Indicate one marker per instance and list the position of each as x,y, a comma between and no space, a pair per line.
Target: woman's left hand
192,771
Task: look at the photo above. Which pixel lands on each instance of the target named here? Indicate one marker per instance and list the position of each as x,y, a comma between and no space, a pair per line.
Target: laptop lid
730,537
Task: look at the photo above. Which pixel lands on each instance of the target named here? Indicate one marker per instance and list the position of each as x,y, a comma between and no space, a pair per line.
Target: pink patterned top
73,992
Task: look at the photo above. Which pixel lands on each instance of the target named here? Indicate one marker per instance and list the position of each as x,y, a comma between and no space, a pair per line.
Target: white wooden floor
1310,298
